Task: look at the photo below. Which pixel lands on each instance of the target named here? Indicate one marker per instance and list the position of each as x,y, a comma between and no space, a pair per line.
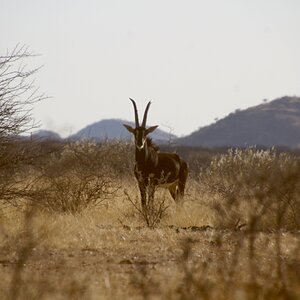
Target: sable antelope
154,168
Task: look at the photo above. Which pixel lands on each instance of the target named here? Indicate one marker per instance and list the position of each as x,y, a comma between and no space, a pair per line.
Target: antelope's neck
141,157
146,159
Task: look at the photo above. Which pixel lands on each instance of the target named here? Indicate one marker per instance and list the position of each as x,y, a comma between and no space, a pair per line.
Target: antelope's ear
129,128
151,129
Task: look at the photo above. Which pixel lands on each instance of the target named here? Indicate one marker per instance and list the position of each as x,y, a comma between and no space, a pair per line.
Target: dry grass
107,251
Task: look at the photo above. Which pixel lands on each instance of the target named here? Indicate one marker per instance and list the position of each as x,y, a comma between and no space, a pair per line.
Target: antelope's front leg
151,190
143,192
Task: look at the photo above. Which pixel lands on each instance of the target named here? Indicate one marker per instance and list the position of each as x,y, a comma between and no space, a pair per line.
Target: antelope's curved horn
145,114
135,113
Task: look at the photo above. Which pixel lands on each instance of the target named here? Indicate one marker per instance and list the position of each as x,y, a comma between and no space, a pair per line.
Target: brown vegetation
75,234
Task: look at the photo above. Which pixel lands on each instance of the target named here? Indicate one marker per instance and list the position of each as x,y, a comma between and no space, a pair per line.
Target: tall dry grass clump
260,188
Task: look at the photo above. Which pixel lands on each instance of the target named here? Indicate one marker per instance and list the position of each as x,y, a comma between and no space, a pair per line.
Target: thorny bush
258,187
77,177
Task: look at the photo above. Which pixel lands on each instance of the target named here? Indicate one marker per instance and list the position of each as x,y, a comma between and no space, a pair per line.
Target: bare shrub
152,212
220,273
28,242
260,188
145,285
118,157
20,247
194,284
17,95
77,178
17,182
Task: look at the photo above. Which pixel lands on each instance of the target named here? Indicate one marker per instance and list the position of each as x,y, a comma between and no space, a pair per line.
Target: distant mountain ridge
108,129
112,129
46,135
275,123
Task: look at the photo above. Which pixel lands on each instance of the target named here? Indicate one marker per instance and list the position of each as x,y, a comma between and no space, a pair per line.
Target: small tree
17,96
17,93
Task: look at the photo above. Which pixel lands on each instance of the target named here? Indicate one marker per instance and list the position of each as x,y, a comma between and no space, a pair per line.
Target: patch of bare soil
137,262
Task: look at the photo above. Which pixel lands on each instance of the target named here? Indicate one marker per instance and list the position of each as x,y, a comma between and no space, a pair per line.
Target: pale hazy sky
197,60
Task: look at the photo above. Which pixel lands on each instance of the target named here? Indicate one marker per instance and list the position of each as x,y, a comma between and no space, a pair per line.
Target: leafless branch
17,93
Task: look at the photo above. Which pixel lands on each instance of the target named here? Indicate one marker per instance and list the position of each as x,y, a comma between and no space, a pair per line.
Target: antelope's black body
154,168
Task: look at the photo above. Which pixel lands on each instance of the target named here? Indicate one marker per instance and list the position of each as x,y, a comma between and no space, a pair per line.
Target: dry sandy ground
108,253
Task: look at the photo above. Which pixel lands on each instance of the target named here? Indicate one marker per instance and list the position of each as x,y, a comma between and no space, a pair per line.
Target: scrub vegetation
73,227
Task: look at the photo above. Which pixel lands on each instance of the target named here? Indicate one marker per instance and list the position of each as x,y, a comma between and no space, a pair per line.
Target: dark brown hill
275,123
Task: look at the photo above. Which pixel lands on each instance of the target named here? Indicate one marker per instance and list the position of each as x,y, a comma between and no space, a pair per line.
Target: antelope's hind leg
173,191
183,175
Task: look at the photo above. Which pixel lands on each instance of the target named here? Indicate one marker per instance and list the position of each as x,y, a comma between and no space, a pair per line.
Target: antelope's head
140,132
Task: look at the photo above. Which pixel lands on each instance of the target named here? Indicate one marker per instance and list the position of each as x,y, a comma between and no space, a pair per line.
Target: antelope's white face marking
140,138
142,146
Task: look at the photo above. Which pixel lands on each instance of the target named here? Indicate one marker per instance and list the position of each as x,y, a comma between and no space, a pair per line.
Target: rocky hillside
275,123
